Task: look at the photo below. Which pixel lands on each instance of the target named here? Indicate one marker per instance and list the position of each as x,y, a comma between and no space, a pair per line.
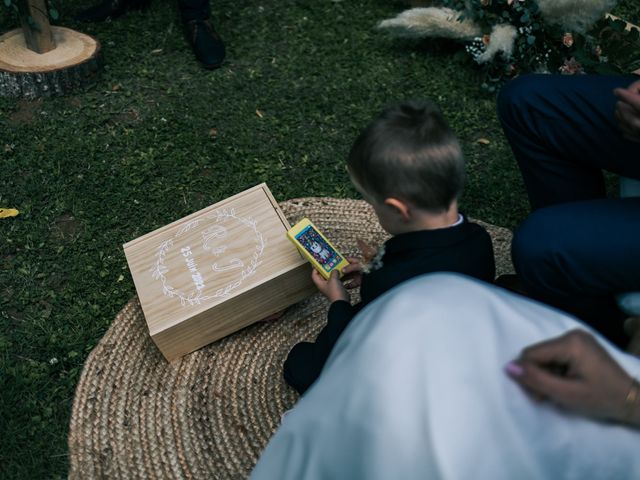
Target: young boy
408,165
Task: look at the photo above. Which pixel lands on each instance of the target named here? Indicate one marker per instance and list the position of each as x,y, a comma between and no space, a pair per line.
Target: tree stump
74,62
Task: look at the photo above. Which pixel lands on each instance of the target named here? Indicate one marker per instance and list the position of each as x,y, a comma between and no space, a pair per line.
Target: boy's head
408,152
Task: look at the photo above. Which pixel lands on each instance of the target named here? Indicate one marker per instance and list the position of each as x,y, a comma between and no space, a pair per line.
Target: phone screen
317,246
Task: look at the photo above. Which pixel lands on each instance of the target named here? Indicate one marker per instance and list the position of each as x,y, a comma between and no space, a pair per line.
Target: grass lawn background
158,137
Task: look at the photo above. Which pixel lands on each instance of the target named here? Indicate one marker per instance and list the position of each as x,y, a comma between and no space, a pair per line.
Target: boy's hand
353,272
332,288
367,251
352,275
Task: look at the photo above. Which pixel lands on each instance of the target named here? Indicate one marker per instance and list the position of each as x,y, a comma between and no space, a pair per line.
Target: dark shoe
206,43
110,9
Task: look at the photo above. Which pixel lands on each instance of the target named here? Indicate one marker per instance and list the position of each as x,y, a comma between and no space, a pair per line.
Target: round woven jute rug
211,413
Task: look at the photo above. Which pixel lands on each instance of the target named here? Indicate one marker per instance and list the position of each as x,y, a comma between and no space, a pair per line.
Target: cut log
74,63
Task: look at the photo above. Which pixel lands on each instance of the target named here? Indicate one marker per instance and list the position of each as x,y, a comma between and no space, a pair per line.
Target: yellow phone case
316,248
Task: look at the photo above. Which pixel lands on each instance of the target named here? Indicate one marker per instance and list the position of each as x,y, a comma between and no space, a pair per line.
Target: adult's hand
575,372
628,110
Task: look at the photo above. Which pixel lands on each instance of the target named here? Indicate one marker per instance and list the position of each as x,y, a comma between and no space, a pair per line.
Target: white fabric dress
415,388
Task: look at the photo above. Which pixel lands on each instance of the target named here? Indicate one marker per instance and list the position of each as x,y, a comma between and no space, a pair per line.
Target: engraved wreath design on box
214,229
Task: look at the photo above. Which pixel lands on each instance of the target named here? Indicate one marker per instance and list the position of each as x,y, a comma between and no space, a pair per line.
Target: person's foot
206,43
110,9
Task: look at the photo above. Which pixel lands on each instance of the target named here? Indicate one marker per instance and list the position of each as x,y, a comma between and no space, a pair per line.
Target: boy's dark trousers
578,249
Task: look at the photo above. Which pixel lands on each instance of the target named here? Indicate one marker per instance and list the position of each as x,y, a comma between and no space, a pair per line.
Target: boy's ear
401,207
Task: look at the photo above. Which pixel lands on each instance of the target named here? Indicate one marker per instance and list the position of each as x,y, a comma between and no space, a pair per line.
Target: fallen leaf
483,141
156,51
213,133
8,212
259,114
116,87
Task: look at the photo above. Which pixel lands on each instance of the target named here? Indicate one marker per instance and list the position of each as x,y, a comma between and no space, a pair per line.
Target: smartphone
315,246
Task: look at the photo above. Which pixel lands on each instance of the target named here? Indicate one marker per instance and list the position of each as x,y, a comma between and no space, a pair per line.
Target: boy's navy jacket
465,248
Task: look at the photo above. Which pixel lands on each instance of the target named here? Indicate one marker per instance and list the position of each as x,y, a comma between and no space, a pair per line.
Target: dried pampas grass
502,39
431,22
575,15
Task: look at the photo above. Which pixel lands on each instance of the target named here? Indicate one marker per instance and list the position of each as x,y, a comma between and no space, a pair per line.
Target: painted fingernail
513,369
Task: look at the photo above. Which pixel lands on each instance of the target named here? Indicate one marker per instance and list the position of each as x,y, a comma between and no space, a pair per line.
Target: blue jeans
578,249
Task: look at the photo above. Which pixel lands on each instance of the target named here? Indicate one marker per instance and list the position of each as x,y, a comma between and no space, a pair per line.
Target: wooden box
216,271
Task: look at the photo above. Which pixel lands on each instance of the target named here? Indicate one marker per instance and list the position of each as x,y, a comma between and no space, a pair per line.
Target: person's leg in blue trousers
574,253
577,256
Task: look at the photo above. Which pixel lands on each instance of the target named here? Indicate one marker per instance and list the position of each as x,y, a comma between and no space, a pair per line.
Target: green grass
157,137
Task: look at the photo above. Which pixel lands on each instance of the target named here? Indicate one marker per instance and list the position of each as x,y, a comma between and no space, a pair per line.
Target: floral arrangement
508,37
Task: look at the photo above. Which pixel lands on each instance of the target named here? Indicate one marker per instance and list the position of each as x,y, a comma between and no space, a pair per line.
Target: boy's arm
306,360
340,314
